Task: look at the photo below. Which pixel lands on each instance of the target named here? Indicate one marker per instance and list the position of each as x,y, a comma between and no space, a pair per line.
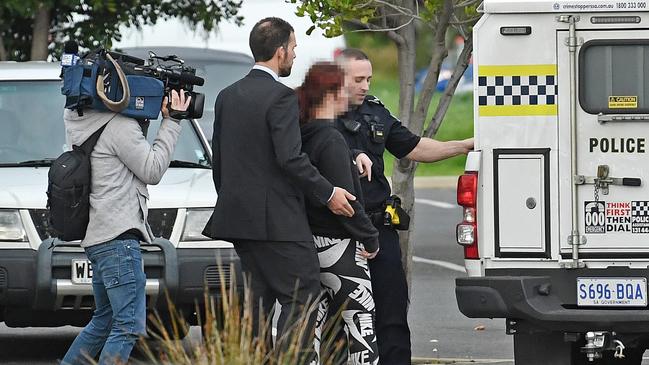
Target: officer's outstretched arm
430,150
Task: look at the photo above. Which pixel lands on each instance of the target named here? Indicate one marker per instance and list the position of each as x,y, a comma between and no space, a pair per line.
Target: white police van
556,195
41,285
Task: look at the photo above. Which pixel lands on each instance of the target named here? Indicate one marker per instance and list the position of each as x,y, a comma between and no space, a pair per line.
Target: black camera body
174,74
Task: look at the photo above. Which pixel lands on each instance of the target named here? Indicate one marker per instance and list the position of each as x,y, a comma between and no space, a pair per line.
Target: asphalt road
438,328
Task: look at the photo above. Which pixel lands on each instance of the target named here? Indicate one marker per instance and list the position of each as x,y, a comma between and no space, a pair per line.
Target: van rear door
612,139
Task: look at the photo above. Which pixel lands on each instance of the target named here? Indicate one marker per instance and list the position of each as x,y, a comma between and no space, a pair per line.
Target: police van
556,195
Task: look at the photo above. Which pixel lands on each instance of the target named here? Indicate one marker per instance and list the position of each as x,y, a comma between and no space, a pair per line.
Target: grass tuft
228,336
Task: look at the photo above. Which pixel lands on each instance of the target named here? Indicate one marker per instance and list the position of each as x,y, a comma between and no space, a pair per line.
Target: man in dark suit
262,179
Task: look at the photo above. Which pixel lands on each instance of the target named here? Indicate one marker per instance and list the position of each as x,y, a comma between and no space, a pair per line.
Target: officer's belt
377,217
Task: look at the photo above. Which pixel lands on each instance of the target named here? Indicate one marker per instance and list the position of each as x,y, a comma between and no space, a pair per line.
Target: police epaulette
374,99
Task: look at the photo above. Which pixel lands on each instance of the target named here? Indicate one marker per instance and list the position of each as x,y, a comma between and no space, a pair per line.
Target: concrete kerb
455,361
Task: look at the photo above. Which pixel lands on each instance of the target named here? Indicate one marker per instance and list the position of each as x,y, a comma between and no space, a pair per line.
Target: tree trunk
403,172
40,34
3,50
432,76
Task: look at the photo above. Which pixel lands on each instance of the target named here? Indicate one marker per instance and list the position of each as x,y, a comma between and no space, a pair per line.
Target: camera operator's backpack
68,190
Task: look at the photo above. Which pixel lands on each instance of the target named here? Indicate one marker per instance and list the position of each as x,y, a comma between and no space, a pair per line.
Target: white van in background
230,37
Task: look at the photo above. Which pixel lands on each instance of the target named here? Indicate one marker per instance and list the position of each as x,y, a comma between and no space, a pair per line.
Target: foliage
94,23
228,337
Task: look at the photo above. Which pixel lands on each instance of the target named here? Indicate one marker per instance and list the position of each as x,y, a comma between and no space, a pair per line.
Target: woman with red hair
343,243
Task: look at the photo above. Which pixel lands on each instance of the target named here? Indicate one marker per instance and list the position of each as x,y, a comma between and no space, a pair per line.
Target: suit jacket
259,170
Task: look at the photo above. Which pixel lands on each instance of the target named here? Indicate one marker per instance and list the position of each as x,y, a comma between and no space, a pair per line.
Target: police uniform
370,128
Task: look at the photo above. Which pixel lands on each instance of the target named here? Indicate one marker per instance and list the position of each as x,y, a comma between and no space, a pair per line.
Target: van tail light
467,230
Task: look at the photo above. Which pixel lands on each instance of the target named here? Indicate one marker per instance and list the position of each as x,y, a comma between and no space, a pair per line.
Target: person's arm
401,142
334,163
149,162
284,129
430,150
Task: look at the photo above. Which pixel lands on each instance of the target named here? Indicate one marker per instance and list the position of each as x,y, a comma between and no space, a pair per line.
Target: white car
45,286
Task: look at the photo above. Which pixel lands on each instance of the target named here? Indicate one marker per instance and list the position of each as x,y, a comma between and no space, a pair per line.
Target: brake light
467,230
467,188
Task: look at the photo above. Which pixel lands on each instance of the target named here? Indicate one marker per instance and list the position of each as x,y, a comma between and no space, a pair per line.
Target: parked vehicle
42,285
555,196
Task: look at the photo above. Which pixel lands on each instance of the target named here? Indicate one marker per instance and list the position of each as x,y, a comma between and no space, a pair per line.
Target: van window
614,76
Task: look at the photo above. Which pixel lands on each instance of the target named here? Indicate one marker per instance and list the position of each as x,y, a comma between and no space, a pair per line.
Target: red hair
322,78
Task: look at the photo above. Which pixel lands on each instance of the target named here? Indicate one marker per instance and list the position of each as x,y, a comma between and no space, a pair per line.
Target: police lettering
618,145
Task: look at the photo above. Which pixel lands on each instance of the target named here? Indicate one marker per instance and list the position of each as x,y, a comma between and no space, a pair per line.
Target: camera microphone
184,77
70,55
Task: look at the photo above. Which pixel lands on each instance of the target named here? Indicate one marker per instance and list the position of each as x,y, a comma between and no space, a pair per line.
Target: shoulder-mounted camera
106,80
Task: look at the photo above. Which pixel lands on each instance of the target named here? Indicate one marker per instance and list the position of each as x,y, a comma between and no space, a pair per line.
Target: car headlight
11,226
195,222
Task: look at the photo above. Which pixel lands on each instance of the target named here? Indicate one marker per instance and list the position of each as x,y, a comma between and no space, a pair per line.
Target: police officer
369,129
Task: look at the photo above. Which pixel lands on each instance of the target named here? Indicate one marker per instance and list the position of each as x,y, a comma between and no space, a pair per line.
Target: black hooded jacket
329,153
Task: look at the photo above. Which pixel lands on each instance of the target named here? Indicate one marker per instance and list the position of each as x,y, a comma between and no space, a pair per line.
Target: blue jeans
118,283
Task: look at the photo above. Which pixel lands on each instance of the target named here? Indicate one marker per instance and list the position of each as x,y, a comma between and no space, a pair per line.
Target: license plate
630,292
81,272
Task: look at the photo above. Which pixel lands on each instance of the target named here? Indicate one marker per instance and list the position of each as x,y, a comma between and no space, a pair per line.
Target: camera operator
122,164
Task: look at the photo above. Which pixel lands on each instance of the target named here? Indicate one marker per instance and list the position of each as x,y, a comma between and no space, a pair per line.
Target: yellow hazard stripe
516,110
517,70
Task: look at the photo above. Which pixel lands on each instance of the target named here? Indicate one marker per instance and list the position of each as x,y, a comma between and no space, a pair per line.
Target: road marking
444,264
435,203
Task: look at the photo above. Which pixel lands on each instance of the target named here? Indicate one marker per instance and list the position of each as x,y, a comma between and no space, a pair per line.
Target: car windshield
32,130
189,148
31,121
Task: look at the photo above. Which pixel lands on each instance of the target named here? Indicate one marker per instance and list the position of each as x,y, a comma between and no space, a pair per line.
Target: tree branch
402,10
390,32
465,21
449,91
439,53
464,4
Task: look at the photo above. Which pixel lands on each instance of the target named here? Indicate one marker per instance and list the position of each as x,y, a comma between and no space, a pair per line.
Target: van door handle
631,181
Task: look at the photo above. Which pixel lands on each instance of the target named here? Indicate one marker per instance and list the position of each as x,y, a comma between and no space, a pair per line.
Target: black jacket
396,138
259,170
329,152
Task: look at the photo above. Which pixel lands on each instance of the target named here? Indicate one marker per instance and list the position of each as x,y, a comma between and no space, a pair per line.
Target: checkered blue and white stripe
517,90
